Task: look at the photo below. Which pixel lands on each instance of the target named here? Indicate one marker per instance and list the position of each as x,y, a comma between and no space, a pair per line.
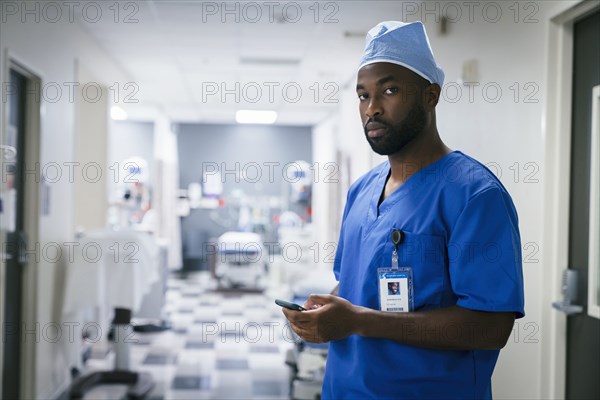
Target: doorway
564,366
19,218
583,331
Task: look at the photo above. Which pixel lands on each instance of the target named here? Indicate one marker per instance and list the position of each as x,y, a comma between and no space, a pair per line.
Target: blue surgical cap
404,44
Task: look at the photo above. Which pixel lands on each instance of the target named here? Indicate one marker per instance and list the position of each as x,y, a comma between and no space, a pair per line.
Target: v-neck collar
376,210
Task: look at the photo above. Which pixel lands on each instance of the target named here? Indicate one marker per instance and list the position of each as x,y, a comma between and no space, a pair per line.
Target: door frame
32,152
593,308
557,164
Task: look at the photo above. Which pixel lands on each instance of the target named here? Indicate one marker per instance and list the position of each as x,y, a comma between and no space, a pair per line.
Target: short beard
398,136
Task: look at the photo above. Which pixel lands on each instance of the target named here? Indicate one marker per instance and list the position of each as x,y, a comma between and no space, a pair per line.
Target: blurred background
169,168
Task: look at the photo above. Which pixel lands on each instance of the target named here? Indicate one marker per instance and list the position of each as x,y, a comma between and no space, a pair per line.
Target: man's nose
374,108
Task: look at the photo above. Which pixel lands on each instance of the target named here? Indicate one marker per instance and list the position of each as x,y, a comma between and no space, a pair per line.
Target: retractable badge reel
395,283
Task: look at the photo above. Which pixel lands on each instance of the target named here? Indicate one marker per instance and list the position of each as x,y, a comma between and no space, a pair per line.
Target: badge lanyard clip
397,236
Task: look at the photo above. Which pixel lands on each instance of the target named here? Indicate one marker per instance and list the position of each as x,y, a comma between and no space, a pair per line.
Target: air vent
282,62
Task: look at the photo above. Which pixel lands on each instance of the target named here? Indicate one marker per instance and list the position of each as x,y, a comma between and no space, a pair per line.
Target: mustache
374,123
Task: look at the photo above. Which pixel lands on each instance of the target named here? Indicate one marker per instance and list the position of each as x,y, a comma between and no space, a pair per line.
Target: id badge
395,289
395,284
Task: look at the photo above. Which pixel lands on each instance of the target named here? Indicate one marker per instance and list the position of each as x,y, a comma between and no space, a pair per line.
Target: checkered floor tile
221,346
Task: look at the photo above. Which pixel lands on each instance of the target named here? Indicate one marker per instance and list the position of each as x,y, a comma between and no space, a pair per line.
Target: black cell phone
288,305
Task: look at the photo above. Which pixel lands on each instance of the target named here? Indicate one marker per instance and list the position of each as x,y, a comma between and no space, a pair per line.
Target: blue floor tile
232,364
191,383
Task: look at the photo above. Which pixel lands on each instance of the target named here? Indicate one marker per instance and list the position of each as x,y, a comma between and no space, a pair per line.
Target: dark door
12,214
583,331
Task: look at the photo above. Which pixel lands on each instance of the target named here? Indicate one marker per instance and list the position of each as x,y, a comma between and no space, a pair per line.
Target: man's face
394,287
390,106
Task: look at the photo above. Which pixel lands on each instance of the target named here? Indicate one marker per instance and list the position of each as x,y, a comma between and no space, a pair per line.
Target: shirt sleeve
337,262
338,256
484,255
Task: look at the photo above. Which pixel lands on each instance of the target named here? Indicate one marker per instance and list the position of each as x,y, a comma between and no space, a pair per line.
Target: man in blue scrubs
455,250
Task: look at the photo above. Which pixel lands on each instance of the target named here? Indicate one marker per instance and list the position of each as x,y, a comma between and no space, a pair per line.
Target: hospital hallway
179,177
221,346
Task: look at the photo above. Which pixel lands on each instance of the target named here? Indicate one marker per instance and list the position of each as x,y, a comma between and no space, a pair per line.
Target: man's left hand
327,318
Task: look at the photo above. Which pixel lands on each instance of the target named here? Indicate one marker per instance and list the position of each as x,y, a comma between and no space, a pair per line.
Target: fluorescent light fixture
255,117
117,113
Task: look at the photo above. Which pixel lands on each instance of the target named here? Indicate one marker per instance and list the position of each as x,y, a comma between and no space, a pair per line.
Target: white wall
91,148
323,193
166,177
508,134
50,50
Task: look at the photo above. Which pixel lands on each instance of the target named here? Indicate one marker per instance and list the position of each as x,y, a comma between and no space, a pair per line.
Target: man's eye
362,96
391,90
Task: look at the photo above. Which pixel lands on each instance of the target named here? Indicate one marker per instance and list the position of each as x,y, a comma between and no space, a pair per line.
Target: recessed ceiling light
117,113
255,117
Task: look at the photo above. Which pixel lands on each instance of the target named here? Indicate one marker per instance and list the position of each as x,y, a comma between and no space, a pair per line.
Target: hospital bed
241,261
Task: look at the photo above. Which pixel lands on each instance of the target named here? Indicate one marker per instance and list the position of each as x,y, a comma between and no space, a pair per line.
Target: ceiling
202,61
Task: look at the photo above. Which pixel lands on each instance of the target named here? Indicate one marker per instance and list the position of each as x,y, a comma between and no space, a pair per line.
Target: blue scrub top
461,238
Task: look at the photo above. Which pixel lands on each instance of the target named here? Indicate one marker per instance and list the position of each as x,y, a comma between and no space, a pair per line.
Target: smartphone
288,305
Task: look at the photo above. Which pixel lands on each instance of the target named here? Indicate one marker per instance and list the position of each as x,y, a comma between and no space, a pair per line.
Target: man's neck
416,156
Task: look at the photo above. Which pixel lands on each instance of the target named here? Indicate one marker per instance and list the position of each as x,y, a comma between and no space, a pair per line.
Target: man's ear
431,96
